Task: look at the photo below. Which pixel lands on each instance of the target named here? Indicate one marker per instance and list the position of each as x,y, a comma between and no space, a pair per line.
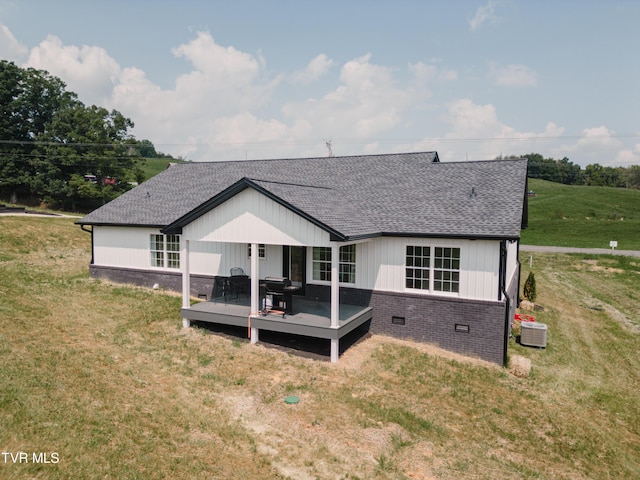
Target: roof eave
366,236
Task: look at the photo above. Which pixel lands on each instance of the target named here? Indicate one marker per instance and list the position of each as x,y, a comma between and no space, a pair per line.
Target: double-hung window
434,269
165,251
446,270
322,263
418,267
347,265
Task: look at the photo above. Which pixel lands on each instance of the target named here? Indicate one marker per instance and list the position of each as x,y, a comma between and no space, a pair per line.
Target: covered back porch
245,217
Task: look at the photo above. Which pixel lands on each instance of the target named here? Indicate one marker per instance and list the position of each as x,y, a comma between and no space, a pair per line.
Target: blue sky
220,80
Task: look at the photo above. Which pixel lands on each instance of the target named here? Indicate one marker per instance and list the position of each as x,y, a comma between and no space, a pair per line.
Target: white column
335,298
335,285
186,280
255,289
335,350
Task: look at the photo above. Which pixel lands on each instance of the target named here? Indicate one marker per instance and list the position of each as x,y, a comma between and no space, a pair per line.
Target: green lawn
105,377
582,216
153,166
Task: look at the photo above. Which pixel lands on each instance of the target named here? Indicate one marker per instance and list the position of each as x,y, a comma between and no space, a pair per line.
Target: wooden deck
309,318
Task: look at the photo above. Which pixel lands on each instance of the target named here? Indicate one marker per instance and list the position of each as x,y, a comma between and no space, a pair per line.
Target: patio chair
238,281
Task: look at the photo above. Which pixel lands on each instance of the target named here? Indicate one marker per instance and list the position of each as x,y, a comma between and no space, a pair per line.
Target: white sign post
613,244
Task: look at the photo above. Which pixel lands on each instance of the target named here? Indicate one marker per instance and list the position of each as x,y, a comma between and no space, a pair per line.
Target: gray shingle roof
359,196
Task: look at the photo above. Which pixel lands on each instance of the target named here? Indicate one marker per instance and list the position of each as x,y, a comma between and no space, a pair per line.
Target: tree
47,137
29,99
80,141
529,290
147,149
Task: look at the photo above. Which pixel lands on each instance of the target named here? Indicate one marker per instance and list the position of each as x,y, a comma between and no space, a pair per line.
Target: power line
310,141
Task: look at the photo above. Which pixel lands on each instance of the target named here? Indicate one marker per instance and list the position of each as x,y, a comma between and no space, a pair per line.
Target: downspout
503,290
91,232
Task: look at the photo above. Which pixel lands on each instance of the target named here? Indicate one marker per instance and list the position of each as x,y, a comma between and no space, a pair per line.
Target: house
408,245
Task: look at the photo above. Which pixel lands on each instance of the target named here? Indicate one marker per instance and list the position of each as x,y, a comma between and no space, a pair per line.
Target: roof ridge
370,155
287,183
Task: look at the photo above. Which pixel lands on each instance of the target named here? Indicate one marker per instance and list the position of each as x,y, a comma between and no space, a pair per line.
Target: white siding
252,217
381,265
512,261
129,247
122,246
211,258
380,262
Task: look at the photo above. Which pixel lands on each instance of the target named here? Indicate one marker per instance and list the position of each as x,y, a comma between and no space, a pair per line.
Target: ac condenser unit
533,334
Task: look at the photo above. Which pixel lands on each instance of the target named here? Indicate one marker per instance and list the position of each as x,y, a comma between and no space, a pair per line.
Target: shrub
530,287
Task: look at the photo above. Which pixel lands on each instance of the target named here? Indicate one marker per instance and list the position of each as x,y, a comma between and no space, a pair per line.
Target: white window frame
347,266
446,270
322,266
441,274
262,251
164,251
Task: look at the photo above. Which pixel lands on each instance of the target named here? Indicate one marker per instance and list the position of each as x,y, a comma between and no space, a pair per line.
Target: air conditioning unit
533,334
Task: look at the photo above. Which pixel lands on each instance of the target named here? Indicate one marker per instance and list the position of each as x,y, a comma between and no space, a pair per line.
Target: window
165,251
446,270
262,250
322,263
418,265
157,250
347,265
439,274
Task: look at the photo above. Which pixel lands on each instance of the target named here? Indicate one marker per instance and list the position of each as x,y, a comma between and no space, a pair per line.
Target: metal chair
238,281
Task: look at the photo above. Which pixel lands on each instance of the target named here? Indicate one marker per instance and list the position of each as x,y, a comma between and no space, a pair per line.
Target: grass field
153,166
582,216
104,376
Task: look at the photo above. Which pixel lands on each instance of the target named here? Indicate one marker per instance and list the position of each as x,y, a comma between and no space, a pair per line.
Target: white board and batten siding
251,217
125,247
512,261
129,247
381,263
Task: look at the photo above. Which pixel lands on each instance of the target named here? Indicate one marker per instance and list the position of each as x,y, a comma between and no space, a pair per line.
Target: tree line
56,150
569,173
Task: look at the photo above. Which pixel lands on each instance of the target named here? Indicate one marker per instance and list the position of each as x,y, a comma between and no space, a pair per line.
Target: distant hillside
153,166
582,216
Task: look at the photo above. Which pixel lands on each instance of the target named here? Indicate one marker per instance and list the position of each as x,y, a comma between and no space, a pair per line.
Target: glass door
297,260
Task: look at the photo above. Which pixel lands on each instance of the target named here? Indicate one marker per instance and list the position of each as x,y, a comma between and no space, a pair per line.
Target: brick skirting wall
422,318
470,327
201,285
430,319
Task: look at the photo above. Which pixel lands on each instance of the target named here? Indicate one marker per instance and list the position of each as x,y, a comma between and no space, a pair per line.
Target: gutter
502,281
82,227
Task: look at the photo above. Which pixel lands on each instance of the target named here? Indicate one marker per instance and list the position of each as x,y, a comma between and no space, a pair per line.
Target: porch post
255,290
335,298
186,281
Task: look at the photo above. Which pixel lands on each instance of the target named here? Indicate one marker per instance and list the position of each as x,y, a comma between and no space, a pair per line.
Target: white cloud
366,104
225,66
314,70
484,14
225,107
600,145
513,76
477,133
88,71
10,48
